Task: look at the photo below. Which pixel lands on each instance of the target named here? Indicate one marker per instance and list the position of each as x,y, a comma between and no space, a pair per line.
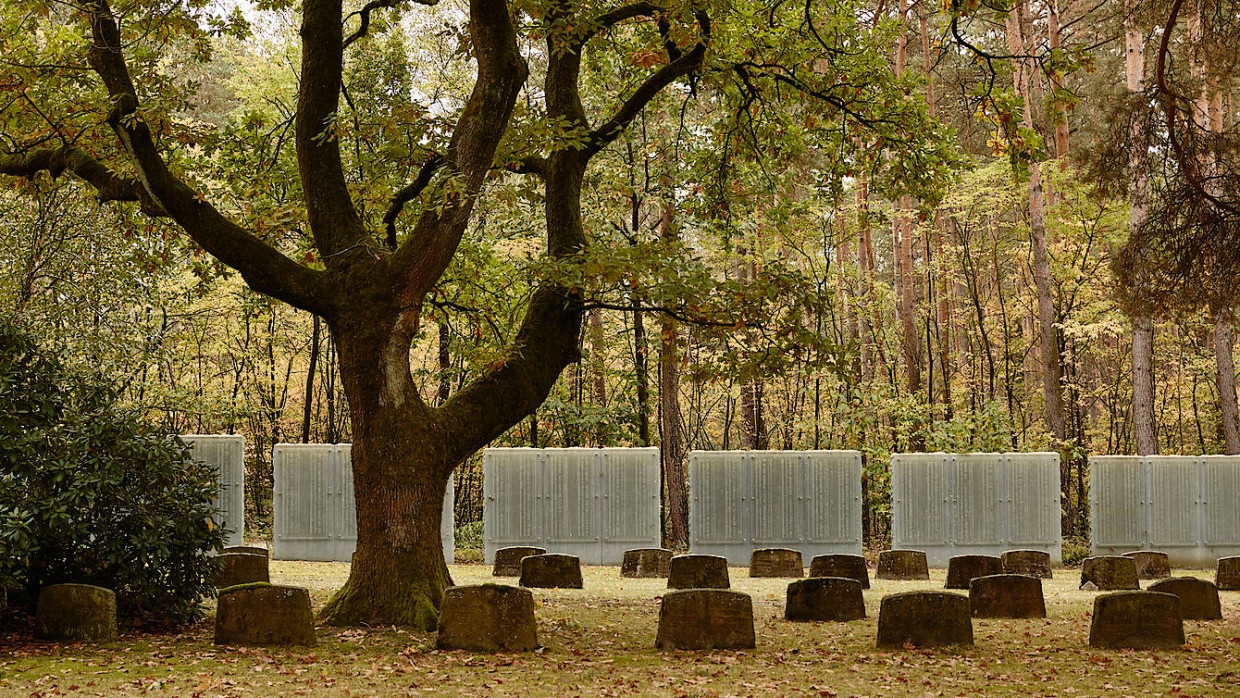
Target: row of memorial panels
596,503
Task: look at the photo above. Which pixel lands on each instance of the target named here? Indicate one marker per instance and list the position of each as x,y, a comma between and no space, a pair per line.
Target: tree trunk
1227,384
1143,385
1052,378
671,429
1143,422
671,422
308,408
401,465
643,375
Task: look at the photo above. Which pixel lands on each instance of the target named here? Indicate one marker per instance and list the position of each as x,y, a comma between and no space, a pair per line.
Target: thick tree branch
56,161
334,221
408,193
653,85
364,28
517,384
262,266
426,253
614,17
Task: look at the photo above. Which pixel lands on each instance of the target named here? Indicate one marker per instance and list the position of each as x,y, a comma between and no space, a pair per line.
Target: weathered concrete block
263,615
508,560
825,598
1007,596
698,572
551,571
846,566
1227,573
924,619
644,563
1136,620
1151,564
902,564
487,618
963,569
1109,573
1031,563
705,619
1198,598
242,568
251,549
76,613
776,562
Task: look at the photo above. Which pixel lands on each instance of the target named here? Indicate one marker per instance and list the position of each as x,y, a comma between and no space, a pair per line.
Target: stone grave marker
962,569
242,568
508,560
76,613
264,615
1227,573
251,549
924,619
824,598
846,566
903,565
1109,573
1151,564
645,563
551,571
698,572
1198,598
1136,620
1007,596
1032,563
487,618
705,619
776,562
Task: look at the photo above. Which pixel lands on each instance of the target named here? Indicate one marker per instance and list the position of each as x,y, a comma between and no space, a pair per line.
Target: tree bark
1143,385
1230,411
902,226
1052,373
1143,422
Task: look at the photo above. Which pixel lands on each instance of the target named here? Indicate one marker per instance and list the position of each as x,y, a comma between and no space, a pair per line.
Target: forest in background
762,276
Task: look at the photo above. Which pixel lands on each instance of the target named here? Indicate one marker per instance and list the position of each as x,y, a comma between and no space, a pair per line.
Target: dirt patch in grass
600,641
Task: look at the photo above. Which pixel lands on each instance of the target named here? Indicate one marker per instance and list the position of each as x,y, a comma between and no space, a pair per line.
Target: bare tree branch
684,65
408,193
263,267
56,161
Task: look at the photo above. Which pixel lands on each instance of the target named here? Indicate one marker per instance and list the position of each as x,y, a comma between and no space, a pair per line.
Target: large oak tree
90,89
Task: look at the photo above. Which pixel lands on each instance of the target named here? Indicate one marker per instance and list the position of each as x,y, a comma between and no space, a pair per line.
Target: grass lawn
599,641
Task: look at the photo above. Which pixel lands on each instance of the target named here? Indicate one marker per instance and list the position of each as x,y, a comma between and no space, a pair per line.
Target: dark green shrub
91,494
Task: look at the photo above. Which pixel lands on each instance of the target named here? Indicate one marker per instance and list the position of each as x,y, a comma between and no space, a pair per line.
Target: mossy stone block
487,618
705,619
551,571
1137,620
903,565
776,562
508,560
646,563
1031,563
924,619
1198,598
698,572
1110,573
836,599
76,613
264,615
846,566
1007,596
963,569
